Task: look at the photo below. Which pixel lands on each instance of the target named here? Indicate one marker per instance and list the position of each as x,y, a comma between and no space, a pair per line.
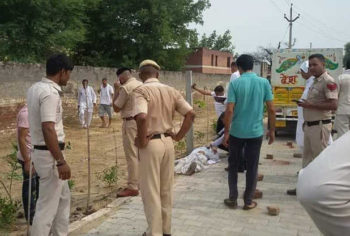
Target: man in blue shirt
244,114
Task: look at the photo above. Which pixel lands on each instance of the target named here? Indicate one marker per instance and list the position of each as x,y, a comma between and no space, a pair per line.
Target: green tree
217,42
122,33
30,30
347,53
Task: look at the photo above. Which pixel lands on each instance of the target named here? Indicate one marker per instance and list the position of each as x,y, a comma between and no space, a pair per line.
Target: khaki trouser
316,139
130,150
156,184
53,205
341,124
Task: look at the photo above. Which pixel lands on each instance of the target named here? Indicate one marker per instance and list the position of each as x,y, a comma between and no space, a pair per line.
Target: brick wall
210,61
16,78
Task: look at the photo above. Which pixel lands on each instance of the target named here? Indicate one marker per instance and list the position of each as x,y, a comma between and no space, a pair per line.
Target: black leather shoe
230,203
292,192
166,234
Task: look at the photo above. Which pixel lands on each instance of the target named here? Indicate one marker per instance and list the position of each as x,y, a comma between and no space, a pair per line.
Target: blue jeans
252,148
25,191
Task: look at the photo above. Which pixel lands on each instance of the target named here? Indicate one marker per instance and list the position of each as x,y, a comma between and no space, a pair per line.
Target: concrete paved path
199,209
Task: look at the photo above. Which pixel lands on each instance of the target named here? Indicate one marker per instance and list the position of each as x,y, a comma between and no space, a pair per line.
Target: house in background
262,67
208,61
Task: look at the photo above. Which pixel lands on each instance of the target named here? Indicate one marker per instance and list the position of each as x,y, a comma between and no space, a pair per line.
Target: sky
254,23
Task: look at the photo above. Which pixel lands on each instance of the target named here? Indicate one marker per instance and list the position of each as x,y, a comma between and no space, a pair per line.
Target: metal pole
29,196
207,104
290,27
291,20
115,147
189,136
88,149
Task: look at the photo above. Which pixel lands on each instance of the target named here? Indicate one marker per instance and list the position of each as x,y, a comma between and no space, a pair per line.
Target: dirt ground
106,151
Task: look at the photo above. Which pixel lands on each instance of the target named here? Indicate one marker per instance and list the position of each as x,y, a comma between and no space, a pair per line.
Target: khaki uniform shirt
44,105
124,101
159,102
343,82
324,88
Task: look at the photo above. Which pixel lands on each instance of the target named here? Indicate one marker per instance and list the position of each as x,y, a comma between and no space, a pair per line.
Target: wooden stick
88,151
207,104
115,147
29,197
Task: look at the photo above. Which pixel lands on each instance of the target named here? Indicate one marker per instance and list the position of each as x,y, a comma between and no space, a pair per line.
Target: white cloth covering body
203,156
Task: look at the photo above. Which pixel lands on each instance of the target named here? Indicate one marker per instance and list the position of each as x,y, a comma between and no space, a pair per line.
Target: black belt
317,122
158,136
44,147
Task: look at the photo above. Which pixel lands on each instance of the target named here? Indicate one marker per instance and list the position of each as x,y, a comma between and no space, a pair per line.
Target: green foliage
8,210
217,42
68,146
200,103
180,146
109,175
8,206
31,30
214,125
14,165
71,184
125,32
100,32
198,136
347,53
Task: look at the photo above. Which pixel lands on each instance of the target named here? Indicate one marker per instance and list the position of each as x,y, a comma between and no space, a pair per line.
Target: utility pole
291,20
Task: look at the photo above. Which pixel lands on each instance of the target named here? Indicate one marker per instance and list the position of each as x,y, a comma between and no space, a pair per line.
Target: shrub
71,184
200,103
180,146
109,176
198,136
8,210
214,124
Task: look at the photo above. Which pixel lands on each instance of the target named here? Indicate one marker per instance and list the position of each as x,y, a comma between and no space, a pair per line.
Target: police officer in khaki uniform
47,138
342,119
122,103
155,104
321,101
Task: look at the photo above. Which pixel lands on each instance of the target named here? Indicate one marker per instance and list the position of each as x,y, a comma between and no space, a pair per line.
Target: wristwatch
60,162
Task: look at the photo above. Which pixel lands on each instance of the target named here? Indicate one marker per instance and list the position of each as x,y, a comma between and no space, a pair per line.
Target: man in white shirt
235,74
86,103
309,80
47,138
106,92
219,97
342,118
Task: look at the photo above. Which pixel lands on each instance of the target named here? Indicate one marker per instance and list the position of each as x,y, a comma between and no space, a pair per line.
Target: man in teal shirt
245,103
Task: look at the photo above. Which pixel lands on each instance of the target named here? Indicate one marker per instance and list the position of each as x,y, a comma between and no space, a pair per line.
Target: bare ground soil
106,150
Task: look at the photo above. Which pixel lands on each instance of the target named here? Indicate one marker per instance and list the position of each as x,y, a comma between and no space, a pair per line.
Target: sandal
251,206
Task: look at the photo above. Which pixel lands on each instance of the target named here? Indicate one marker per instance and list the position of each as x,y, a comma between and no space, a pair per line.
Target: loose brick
273,210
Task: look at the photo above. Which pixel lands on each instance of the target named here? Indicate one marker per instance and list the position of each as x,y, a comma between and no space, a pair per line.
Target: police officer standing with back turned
47,138
154,107
122,103
322,99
